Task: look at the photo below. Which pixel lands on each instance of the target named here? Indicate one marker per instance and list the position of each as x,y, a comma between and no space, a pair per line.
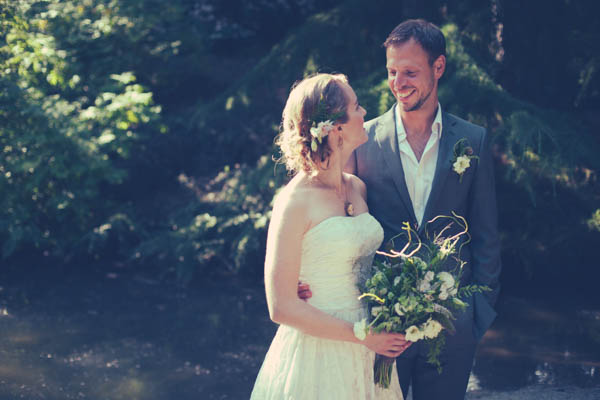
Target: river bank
111,333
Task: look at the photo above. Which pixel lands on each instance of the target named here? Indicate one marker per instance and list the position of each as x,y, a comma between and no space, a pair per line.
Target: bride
321,233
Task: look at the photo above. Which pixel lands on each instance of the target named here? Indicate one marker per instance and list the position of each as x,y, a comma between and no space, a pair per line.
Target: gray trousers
456,360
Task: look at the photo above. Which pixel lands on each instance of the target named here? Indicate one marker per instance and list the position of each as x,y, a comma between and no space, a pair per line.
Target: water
539,342
116,334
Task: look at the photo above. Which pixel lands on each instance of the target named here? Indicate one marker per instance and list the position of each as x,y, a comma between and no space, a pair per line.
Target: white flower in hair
322,130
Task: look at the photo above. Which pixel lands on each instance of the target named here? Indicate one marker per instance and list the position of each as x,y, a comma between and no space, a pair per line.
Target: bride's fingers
400,341
399,348
394,353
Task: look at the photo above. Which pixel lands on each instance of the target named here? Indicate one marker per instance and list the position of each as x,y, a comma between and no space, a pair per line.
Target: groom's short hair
429,36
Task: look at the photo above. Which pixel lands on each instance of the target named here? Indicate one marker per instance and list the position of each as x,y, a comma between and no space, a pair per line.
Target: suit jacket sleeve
485,244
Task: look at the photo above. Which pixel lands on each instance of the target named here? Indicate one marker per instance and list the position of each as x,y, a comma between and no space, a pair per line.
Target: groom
408,165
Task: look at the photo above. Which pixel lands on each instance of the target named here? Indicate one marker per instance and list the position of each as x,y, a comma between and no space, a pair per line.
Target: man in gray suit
420,162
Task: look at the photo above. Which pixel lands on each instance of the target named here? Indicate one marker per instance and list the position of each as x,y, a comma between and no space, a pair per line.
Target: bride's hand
387,344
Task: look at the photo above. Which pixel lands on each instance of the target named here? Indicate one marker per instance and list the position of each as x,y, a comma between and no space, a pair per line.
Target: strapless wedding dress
335,255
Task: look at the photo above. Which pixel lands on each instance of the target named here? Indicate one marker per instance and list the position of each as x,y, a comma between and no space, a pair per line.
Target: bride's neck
332,174
333,177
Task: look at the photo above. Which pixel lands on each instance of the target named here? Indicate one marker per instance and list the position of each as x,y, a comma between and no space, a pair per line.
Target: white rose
432,329
446,278
443,295
413,334
424,286
429,276
461,164
396,280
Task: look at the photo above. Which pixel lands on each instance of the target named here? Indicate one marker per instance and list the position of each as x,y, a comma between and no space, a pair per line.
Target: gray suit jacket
378,164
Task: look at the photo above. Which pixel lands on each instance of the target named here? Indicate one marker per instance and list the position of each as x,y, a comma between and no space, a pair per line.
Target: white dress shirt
419,174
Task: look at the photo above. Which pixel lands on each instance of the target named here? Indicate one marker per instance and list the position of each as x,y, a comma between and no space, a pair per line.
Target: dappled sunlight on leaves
594,221
225,223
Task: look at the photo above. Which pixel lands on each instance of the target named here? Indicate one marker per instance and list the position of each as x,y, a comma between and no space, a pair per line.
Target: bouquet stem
383,370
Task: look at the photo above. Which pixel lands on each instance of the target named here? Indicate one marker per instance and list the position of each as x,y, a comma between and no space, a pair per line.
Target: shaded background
136,172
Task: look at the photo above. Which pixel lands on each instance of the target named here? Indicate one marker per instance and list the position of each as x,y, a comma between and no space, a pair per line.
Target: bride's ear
335,137
340,141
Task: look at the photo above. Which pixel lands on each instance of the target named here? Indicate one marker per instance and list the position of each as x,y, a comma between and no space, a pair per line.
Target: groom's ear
439,66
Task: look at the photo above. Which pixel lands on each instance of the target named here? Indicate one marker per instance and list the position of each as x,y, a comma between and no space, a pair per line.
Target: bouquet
410,293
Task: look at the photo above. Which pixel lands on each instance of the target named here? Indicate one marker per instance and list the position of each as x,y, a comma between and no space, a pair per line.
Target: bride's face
353,131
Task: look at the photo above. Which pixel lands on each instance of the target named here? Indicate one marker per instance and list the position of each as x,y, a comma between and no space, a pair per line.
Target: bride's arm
289,223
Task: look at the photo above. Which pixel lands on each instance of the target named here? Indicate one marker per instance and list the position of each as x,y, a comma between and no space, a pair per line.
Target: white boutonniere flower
463,153
461,164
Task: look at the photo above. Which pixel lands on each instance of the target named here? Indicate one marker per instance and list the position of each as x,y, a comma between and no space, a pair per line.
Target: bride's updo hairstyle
298,116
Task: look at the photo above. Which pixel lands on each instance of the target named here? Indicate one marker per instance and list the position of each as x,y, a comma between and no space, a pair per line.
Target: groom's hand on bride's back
304,291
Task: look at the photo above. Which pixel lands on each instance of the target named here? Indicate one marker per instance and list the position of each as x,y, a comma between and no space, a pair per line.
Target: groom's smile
403,94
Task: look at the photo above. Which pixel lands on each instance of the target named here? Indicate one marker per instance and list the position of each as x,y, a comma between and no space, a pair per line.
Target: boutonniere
463,154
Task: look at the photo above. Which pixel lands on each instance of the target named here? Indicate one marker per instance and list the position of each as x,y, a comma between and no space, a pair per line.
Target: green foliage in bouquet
410,292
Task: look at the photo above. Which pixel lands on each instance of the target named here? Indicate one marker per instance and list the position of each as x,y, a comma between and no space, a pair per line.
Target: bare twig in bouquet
448,244
402,253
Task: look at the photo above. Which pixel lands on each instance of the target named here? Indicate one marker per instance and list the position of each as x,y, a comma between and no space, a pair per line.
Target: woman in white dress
321,233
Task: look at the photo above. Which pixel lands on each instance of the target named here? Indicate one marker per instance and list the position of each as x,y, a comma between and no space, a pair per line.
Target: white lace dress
299,366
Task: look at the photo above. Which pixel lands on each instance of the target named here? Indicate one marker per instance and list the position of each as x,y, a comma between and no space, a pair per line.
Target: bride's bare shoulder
294,194
292,203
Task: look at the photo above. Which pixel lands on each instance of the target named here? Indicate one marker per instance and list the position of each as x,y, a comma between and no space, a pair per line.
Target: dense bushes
62,148
142,131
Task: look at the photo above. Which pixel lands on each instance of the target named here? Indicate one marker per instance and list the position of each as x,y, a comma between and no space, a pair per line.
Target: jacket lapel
443,166
386,137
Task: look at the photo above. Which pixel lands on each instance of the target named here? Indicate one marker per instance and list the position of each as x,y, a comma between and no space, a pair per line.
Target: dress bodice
305,367
336,253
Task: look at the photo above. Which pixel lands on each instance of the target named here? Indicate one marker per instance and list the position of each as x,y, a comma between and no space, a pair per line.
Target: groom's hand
304,291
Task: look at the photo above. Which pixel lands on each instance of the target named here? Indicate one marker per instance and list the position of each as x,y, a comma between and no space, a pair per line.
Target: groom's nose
399,82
